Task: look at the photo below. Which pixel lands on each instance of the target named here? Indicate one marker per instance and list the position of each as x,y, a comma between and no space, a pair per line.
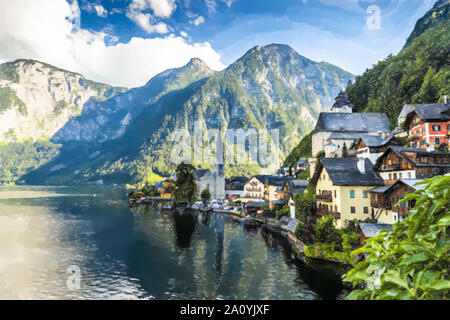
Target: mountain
107,120
271,87
37,99
438,14
420,73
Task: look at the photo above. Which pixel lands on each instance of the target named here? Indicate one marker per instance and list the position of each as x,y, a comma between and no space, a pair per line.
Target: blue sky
125,42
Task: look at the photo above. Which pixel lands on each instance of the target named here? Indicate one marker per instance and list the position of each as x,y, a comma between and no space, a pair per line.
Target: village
360,171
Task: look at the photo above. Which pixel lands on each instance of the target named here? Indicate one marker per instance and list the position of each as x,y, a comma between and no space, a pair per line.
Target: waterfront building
214,182
342,188
411,163
384,199
234,187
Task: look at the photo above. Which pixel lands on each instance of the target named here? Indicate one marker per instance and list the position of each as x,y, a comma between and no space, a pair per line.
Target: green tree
305,211
326,232
205,196
185,186
283,212
412,261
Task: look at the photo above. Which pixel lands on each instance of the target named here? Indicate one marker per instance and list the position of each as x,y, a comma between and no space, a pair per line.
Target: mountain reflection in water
142,253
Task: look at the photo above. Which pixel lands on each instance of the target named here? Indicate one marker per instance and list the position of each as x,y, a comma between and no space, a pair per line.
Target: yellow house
166,188
342,188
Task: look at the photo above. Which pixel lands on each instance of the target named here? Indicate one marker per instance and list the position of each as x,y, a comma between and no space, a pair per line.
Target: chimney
362,165
430,147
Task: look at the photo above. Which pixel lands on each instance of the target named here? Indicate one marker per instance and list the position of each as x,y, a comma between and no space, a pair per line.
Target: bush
285,212
326,232
205,196
411,262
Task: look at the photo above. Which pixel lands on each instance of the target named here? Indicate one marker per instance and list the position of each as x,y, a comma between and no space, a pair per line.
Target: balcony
323,213
390,167
415,136
326,196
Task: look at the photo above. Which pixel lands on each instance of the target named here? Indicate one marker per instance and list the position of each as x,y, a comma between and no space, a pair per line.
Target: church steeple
342,104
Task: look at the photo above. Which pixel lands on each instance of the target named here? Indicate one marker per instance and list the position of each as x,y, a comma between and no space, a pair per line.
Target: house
264,187
234,187
370,230
383,201
214,182
338,141
290,189
428,125
342,188
302,165
165,188
342,104
373,146
358,123
411,163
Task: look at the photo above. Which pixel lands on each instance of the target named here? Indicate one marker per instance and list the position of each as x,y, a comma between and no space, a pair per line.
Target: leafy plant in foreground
412,261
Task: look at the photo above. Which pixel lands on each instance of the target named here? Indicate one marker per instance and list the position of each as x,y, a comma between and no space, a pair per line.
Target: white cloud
144,21
39,30
138,11
160,8
199,20
101,12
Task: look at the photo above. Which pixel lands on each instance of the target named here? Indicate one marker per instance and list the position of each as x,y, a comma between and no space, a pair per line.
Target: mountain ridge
269,87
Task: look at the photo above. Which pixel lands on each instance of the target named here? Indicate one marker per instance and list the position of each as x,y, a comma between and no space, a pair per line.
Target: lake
86,243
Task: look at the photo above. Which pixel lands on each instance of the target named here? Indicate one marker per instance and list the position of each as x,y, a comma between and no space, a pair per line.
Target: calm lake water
142,253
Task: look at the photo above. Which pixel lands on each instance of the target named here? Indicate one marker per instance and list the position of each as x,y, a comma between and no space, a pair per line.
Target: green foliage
284,212
8,72
320,154
302,150
326,232
148,191
438,14
418,74
9,99
186,188
304,174
205,196
305,204
18,159
412,261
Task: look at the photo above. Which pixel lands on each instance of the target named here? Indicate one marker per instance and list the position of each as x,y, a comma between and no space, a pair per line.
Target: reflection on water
141,254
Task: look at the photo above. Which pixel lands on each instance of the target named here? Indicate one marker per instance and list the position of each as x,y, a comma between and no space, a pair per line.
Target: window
436,128
364,194
366,210
409,175
352,194
390,176
422,142
335,195
437,141
400,175
423,160
352,210
395,176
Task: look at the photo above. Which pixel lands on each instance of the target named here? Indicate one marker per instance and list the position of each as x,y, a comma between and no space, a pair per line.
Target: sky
127,42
